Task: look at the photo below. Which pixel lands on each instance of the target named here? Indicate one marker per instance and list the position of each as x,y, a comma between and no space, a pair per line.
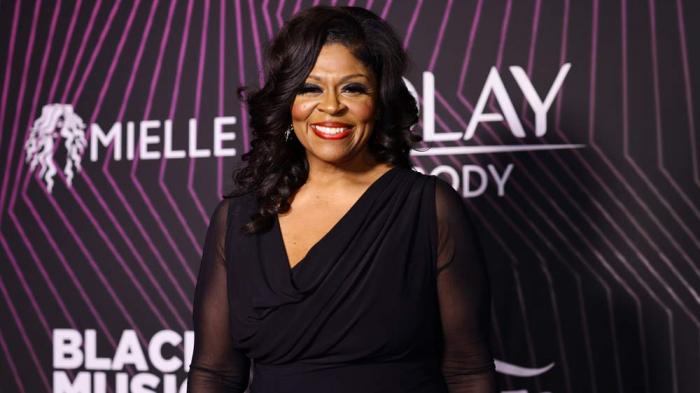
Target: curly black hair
277,168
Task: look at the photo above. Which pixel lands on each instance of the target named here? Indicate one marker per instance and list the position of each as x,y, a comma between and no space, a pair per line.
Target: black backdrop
591,237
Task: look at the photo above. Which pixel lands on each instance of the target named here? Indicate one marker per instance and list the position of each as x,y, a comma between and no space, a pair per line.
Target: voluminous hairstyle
277,168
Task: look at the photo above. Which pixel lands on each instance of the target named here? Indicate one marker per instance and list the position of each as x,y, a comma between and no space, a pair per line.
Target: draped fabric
394,298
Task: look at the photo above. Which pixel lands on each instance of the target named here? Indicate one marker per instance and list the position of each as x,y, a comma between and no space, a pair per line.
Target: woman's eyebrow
346,77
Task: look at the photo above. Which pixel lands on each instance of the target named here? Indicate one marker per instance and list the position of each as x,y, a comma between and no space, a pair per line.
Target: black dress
394,298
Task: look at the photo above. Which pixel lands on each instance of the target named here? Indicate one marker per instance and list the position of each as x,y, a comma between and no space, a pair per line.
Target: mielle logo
60,121
56,120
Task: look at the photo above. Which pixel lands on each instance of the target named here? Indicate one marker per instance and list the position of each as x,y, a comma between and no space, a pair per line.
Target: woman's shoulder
423,179
233,204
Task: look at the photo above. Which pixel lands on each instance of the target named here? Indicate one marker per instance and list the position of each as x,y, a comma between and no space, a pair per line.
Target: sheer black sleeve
216,366
464,297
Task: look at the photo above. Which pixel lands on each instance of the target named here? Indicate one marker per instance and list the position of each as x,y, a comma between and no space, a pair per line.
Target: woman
334,267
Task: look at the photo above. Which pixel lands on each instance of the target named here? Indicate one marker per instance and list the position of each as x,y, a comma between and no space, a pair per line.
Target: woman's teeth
331,130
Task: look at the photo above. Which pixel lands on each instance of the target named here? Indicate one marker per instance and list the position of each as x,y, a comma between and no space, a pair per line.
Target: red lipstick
331,129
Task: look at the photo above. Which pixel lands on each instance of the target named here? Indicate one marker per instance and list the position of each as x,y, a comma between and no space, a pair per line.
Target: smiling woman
337,101
333,266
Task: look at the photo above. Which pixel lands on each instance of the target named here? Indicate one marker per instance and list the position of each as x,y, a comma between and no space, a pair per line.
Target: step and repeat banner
569,127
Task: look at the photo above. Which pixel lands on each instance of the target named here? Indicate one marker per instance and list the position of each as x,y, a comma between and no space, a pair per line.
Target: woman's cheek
364,110
301,110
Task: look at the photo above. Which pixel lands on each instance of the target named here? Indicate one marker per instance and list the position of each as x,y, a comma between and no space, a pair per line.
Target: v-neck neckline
334,228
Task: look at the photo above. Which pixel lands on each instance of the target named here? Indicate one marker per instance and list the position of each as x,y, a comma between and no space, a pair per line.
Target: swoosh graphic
518,371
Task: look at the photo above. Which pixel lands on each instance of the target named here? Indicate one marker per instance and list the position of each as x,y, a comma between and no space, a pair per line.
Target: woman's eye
352,88
308,89
356,88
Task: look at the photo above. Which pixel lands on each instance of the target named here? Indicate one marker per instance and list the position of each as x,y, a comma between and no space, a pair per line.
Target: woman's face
333,112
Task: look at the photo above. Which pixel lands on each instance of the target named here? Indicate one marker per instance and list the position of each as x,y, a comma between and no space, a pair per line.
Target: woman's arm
464,298
216,365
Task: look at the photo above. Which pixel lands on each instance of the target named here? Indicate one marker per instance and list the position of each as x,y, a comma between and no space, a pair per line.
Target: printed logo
56,121
519,371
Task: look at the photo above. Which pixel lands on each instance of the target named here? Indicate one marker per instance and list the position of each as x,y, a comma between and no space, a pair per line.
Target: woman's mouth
331,131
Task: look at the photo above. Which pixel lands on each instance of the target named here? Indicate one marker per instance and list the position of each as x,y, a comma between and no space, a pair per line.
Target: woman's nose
330,103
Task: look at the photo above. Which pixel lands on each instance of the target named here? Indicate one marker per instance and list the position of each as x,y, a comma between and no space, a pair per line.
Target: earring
288,132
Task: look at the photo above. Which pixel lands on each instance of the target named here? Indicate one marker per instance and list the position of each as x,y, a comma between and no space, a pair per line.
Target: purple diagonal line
600,208
10,361
562,57
64,262
623,12
278,12
60,212
90,259
256,40
100,100
266,18
625,129
197,102
672,293
659,139
297,7
44,274
163,162
30,247
115,252
20,101
132,175
502,40
93,58
83,45
48,236
118,227
64,51
470,44
619,230
117,188
108,210
29,53
369,4
385,10
42,73
18,269
531,54
25,337
412,23
687,87
241,71
441,33
8,68
39,85
222,81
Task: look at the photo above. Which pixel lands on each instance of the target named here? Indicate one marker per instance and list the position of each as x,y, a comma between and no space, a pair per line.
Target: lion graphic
39,147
